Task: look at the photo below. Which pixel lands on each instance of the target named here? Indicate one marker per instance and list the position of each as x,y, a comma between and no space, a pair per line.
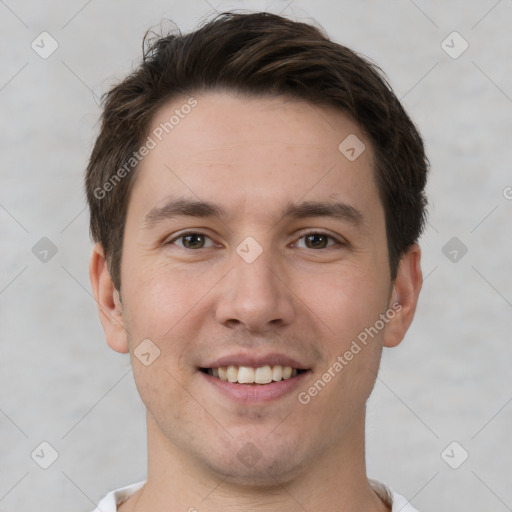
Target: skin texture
253,156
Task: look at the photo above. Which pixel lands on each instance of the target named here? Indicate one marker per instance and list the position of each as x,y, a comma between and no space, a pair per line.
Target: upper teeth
248,375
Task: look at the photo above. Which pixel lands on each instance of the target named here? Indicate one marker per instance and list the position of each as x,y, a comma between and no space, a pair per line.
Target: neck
333,480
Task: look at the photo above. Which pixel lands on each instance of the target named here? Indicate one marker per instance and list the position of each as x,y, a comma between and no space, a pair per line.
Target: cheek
353,346
161,296
163,305
355,303
350,303
346,300
160,392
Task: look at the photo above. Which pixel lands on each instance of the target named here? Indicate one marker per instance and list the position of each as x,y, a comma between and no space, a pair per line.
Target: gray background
449,380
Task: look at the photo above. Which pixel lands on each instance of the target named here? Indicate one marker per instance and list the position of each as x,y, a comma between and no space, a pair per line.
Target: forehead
220,121
247,152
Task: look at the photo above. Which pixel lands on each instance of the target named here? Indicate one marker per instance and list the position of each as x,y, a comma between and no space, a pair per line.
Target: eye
196,240
192,240
317,240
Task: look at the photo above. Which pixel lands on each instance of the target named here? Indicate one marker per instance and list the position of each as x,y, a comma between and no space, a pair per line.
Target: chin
256,462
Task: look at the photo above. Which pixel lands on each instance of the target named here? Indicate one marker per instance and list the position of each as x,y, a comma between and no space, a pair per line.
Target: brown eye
315,240
192,240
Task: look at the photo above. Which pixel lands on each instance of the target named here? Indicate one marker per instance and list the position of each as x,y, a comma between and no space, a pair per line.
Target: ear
404,296
108,300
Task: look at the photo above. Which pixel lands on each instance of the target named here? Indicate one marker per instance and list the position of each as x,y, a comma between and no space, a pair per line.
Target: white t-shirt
110,502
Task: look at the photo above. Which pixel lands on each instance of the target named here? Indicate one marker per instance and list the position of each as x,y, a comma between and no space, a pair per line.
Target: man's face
269,282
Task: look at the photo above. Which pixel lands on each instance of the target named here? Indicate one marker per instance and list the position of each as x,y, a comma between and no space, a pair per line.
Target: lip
254,393
255,361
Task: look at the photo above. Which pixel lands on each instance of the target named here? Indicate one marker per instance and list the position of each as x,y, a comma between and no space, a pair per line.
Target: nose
255,295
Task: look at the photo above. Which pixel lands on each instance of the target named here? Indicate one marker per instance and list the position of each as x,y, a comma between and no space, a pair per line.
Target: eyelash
188,233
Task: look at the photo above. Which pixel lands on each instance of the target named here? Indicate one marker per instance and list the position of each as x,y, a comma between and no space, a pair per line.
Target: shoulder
395,501
110,502
401,504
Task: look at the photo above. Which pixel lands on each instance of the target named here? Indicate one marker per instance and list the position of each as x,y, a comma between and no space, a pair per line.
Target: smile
249,375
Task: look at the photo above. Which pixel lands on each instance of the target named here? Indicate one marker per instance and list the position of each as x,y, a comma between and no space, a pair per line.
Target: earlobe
405,292
108,300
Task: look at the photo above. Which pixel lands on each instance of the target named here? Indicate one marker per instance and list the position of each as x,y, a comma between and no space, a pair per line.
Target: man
256,195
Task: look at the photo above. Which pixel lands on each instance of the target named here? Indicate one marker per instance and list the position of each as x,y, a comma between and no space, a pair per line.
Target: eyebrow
336,210
182,207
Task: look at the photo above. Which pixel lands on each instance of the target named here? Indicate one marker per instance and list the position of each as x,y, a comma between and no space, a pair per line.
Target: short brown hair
257,54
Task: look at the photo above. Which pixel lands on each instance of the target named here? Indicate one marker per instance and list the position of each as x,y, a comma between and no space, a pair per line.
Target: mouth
262,375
